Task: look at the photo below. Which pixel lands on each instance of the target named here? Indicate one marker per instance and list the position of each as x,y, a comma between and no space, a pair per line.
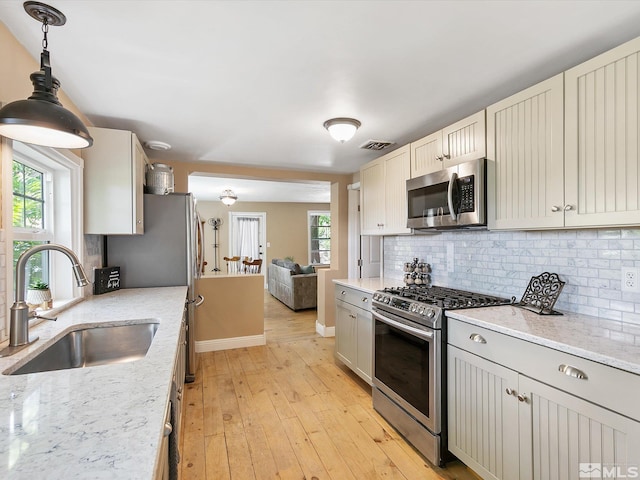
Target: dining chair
233,264
254,266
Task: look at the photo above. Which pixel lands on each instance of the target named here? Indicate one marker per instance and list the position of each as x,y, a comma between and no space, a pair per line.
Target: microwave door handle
452,182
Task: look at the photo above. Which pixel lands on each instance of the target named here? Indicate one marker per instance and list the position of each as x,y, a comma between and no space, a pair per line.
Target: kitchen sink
91,346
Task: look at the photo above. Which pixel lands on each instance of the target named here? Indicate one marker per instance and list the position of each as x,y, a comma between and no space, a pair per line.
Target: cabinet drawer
606,386
354,297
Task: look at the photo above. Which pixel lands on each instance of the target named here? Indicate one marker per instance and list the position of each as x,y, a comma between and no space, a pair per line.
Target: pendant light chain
45,30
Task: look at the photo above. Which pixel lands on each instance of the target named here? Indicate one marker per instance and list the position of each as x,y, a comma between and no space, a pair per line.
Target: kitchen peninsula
97,422
233,313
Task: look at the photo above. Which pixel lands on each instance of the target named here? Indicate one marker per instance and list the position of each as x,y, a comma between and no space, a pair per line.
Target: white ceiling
251,82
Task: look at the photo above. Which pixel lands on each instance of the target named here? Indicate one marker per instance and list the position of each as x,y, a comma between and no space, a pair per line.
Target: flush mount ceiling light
228,197
342,129
157,145
41,119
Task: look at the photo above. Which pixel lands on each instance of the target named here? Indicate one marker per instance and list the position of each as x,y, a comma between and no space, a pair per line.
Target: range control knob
431,312
386,299
414,307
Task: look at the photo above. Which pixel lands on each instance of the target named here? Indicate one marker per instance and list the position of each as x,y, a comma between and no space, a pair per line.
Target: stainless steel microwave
451,198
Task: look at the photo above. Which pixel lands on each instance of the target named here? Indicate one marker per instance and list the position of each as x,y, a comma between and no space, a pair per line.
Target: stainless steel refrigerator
168,254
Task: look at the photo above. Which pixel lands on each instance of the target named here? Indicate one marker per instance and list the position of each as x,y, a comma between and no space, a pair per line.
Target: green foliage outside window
320,225
28,197
28,214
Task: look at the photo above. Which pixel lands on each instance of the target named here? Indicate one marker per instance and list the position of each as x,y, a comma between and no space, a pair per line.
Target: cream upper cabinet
113,183
463,141
602,105
372,198
383,190
426,155
525,150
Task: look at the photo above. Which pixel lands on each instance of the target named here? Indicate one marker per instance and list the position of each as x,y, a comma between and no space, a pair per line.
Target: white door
247,235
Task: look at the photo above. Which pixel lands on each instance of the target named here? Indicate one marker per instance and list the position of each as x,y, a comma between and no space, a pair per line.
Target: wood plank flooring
288,410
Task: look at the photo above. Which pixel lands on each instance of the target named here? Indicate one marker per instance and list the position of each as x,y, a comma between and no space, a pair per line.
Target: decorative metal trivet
541,294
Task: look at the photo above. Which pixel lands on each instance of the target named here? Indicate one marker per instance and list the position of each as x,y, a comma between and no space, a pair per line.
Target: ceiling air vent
375,145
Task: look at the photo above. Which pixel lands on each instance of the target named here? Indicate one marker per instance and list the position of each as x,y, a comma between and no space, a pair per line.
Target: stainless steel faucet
19,320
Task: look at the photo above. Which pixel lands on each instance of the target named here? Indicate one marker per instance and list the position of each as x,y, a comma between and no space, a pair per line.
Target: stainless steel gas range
409,355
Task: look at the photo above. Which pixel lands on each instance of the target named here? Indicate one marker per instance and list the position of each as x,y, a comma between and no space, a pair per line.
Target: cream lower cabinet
525,151
114,183
460,142
383,190
504,424
354,331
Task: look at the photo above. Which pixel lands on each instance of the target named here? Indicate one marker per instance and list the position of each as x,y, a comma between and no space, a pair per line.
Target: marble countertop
100,422
612,343
368,285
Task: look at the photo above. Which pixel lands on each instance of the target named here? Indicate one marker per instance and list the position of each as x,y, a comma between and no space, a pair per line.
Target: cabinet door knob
568,208
511,391
167,429
365,299
523,398
440,158
352,315
476,337
555,208
573,372
343,292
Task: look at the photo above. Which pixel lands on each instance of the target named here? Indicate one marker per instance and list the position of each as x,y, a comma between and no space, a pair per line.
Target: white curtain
246,237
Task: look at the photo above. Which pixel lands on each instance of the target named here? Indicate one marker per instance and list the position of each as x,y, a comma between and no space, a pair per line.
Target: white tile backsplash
502,263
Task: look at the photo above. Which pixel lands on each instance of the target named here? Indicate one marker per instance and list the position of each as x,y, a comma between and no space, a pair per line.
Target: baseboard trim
325,331
230,343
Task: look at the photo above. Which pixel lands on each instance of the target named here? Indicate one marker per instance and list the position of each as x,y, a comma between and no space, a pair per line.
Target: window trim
311,213
67,169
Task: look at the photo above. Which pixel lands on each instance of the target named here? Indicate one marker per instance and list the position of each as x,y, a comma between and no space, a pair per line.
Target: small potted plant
39,295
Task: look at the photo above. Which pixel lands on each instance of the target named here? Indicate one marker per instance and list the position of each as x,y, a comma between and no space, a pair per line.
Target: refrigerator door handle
200,247
196,301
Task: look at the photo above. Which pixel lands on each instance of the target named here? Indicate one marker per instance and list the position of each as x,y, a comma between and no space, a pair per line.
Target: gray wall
501,263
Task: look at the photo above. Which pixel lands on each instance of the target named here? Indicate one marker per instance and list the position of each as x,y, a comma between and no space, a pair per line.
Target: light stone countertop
612,343
101,422
368,285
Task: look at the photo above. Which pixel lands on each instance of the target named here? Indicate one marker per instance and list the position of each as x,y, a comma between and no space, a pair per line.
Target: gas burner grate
447,298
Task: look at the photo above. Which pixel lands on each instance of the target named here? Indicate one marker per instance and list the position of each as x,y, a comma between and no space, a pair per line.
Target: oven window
402,363
428,201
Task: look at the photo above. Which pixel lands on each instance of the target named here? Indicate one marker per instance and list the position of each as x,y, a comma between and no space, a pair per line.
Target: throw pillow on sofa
307,269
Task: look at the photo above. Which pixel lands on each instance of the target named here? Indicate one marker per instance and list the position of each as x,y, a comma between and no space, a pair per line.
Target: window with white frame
46,207
319,237
32,219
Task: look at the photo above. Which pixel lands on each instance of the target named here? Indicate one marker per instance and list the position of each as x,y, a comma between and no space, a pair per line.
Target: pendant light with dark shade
41,119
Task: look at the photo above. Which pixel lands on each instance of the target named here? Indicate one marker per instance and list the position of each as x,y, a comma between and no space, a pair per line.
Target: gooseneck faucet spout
19,320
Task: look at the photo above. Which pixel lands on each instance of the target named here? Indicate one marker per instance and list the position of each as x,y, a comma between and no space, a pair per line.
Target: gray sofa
296,290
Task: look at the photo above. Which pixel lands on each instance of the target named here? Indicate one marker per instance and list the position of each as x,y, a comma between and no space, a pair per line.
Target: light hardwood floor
288,410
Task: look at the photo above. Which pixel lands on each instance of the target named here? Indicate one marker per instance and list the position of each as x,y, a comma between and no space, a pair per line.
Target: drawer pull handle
352,315
511,391
523,398
476,337
365,299
573,372
343,292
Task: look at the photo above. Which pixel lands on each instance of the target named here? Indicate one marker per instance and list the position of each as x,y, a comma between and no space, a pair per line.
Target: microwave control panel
465,185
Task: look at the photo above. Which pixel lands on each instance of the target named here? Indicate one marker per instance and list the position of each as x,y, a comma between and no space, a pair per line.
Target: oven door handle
405,328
